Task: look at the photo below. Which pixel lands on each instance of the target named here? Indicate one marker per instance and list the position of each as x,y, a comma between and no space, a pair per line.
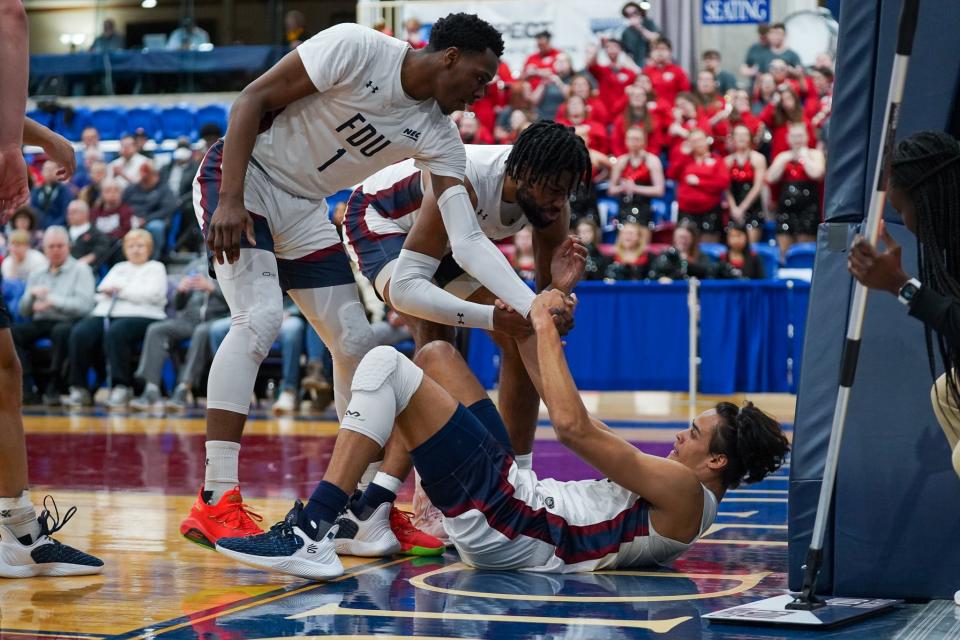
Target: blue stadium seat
70,122
801,255
770,254
43,117
111,122
212,114
146,117
178,121
713,250
12,292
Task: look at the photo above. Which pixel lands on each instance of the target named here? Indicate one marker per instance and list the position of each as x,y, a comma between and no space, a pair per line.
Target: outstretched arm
13,79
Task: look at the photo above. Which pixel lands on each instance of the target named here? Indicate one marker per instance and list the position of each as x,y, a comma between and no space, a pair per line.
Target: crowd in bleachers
717,178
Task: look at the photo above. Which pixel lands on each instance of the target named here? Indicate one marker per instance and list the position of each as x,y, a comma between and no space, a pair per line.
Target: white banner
573,23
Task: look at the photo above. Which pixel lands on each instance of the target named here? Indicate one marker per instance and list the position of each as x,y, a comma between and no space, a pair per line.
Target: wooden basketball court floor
134,478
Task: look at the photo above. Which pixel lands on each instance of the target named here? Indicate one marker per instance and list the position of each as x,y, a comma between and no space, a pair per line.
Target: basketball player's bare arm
671,488
13,79
55,146
557,269
285,82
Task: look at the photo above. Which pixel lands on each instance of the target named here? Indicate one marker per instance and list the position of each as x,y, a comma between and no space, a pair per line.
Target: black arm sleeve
942,313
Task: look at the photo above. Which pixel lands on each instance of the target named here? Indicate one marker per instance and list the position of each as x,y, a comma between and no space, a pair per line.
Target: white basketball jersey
486,169
360,121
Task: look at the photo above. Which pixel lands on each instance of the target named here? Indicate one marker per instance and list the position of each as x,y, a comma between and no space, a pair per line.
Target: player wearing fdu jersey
646,512
345,103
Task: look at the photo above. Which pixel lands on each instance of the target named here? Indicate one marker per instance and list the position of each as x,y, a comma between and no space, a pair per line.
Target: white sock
387,481
151,388
524,461
372,470
223,460
19,515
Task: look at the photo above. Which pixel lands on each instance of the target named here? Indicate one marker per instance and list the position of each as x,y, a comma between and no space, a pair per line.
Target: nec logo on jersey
413,135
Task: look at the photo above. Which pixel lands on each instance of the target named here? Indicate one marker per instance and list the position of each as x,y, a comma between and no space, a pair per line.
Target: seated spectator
130,298
153,204
779,115
21,259
551,93
198,302
744,262
614,78
748,169
91,192
639,33
89,141
686,118
589,234
576,116
108,40
295,28
763,93
702,178
637,114
506,128
87,244
597,110
51,198
523,260
711,61
82,178
637,178
631,260
125,169
54,299
518,121
414,33
683,259
656,104
141,139
758,55
25,219
112,216
735,113
795,176
472,131
543,58
178,176
710,100
668,79
187,36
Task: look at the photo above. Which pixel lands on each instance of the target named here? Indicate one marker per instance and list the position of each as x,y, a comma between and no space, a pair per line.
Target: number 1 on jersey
336,156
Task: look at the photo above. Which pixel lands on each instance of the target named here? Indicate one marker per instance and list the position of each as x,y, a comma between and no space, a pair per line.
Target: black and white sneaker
371,538
285,548
44,556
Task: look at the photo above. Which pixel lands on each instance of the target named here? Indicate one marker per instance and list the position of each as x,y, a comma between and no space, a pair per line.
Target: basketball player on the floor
341,106
393,226
26,548
647,512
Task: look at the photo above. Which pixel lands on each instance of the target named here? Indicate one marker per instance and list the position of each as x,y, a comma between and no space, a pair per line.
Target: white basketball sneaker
371,538
285,548
44,556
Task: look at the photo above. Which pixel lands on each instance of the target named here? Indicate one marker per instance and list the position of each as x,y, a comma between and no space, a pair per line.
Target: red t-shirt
597,138
723,128
539,61
714,180
612,83
778,133
596,110
655,137
668,81
495,98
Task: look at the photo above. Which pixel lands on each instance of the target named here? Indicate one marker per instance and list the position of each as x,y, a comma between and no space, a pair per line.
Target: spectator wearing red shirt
818,106
779,114
496,97
637,178
472,130
748,168
550,94
708,95
736,112
414,33
702,178
668,78
576,116
614,78
637,114
110,215
542,59
596,109
797,175
686,118
660,106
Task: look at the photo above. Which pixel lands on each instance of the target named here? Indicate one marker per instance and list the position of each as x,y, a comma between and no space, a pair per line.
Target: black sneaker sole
197,538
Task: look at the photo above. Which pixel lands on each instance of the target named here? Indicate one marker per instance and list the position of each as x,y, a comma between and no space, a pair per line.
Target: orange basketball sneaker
413,541
229,518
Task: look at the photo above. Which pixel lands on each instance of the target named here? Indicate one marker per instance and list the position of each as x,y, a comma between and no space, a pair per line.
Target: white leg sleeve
340,321
252,290
382,387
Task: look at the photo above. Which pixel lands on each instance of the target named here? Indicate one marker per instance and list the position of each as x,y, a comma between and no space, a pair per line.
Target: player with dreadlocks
925,189
400,234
